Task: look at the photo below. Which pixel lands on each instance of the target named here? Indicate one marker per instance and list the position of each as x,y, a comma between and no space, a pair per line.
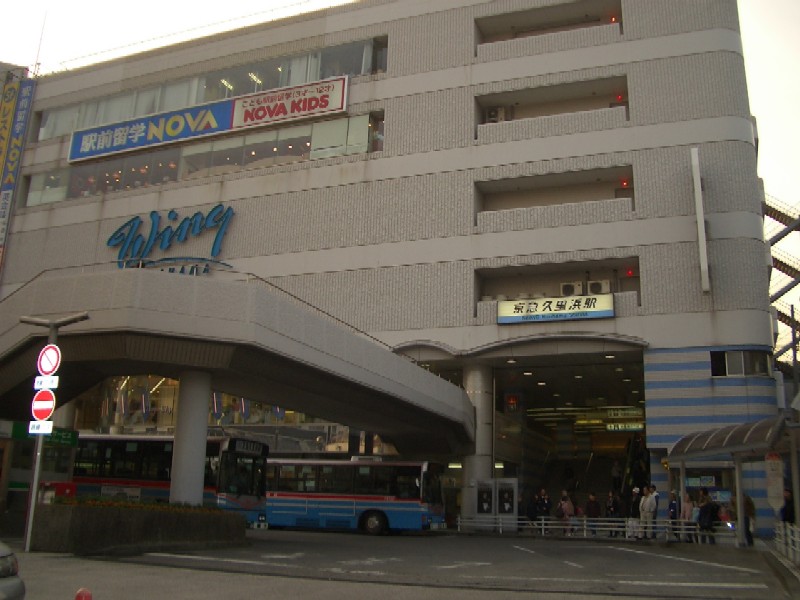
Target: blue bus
137,467
361,494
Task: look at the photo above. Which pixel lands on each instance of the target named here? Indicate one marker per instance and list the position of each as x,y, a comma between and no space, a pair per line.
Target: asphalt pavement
310,565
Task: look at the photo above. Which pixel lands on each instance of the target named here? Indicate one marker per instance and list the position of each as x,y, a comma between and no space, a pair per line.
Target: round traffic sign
43,405
49,359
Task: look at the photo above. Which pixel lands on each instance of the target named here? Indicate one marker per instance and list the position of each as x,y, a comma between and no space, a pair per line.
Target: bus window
408,482
336,479
432,490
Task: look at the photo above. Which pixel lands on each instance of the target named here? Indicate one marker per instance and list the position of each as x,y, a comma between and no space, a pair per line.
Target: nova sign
136,243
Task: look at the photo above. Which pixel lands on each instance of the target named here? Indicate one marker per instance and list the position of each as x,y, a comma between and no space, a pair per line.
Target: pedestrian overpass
254,340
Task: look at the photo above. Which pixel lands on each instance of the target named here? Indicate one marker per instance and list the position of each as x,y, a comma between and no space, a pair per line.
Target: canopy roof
746,439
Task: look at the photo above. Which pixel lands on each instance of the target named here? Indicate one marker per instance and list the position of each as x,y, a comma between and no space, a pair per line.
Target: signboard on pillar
773,464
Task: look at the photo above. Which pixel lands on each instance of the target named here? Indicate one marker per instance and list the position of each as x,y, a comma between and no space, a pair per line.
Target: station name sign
278,105
570,308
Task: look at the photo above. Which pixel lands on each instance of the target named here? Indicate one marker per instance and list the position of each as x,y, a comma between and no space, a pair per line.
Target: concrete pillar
191,431
478,384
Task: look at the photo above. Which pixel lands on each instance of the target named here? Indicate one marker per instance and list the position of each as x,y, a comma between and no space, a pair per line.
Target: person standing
612,512
787,512
708,516
672,516
592,512
565,511
688,524
634,515
543,507
647,510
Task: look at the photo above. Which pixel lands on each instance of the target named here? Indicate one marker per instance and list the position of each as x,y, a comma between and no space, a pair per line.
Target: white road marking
217,559
689,560
461,565
572,564
369,561
340,571
283,556
688,584
528,550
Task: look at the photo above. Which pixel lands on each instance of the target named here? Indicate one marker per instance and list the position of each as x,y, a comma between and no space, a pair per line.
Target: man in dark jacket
592,512
634,515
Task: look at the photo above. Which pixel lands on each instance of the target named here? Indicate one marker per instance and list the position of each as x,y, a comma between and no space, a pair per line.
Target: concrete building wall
392,241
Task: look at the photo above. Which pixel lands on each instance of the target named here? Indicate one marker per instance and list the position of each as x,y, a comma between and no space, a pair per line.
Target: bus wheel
375,523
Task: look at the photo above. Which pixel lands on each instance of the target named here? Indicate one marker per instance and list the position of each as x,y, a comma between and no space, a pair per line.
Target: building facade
553,204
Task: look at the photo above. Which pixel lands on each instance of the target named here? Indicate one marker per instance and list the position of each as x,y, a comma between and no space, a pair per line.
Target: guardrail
787,541
661,529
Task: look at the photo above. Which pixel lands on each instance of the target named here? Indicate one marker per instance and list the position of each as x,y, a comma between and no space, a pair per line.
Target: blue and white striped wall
682,397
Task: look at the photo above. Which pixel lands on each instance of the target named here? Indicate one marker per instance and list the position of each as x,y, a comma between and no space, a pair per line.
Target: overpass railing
664,530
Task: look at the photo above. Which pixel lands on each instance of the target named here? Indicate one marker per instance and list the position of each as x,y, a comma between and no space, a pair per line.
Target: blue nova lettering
135,246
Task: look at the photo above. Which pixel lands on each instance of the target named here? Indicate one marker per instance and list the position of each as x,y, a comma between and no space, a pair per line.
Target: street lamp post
52,338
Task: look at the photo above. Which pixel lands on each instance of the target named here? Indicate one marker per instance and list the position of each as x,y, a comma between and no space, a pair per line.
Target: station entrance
565,420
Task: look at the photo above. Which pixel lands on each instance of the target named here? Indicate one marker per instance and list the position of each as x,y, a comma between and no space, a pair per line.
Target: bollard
83,594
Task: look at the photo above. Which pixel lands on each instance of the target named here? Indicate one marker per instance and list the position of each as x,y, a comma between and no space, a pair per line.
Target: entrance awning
746,439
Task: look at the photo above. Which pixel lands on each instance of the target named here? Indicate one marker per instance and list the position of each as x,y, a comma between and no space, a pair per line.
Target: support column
191,431
478,384
741,508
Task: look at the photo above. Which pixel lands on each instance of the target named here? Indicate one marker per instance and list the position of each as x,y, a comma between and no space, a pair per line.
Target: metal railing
663,530
787,541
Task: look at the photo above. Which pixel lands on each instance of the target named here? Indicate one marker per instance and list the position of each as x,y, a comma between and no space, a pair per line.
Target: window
297,478
146,102
355,58
293,143
260,149
380,51
738,362
376,132
329,138
196,161
344,60
226,155
164,166
82,181
336,479
337,137
58,122
48,187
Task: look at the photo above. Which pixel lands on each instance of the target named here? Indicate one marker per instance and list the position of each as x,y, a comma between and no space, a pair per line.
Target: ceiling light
527,373
578,376
541,383
627,380
610,356
511,361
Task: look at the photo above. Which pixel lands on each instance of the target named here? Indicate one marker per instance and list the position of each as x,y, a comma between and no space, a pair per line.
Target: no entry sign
49,360
44,403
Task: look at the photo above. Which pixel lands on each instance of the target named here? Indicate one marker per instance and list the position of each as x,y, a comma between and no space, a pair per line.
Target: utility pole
52,338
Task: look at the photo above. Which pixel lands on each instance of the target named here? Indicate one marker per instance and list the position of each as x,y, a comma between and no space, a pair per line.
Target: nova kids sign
137,238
